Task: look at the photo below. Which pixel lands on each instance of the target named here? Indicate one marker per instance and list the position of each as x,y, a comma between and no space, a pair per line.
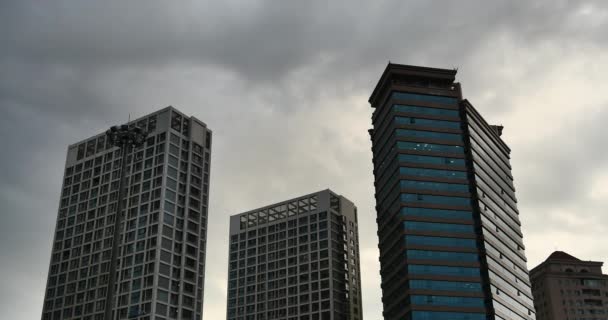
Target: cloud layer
284,86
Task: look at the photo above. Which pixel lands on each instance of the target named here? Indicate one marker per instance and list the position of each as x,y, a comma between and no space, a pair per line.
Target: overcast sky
284,86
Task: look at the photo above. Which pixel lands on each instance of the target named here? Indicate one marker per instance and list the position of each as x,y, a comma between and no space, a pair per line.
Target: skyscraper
567,288
162,251
297,259
448,225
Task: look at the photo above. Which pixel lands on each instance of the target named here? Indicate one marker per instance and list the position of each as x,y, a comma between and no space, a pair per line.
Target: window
431,199
438,315
427,122
435,173
441,227
445,285
424,97
423,146
435,186
431,160
447,301
443,270
439,241
436,213
428,135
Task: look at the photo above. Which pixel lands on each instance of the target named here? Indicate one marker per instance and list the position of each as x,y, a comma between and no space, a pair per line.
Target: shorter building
566,288
297,259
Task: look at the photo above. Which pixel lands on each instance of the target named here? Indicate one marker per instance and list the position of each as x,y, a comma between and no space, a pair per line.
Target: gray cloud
284,86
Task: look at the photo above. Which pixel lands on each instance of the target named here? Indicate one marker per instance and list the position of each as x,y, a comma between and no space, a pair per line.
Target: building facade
449,231
162,254
297,259
566,288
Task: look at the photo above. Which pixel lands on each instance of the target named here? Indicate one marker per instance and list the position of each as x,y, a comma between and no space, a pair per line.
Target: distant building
297,259
566,288
162,261
451,246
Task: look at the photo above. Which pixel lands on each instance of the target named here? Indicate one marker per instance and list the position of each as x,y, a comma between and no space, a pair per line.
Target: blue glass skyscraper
449,230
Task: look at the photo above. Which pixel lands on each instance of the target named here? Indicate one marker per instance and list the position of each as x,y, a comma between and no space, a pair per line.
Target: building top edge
274,204
139,119
403,70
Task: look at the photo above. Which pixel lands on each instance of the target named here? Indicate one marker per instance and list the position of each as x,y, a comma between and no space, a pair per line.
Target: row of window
441,285
442,255
433,173
428,135
433,186
432,199
440,241
427,122
443,270
445,315
436,213
447,301
431,160
432,147
439,227
424,97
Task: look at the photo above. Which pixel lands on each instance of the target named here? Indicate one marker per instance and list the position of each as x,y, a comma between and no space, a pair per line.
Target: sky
284,87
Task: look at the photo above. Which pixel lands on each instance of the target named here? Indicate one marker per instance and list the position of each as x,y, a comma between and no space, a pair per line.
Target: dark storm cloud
267,40
284,86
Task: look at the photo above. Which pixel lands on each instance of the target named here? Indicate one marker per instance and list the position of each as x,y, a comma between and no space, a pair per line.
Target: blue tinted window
172,172
433,173
429,134
438,186
437,213
423,146
443,270
425,198
439,241
431,160
427,122
447,301
436,226
169,207
439,315
425,110
441,255
424,97
172,183
445,285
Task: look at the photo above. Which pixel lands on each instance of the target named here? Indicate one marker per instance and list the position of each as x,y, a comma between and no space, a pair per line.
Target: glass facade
431,160
440,241
433,147
425,110
436,226
431,199
443,315
443,178
435,173
438,285
443,270
427,122
436,213
447,301
437,186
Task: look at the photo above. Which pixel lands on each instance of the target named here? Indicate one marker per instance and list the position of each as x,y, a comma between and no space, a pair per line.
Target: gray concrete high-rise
297,260
161,261
451,246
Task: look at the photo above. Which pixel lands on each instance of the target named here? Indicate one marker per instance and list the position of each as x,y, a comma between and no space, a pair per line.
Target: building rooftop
560,255
402,71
